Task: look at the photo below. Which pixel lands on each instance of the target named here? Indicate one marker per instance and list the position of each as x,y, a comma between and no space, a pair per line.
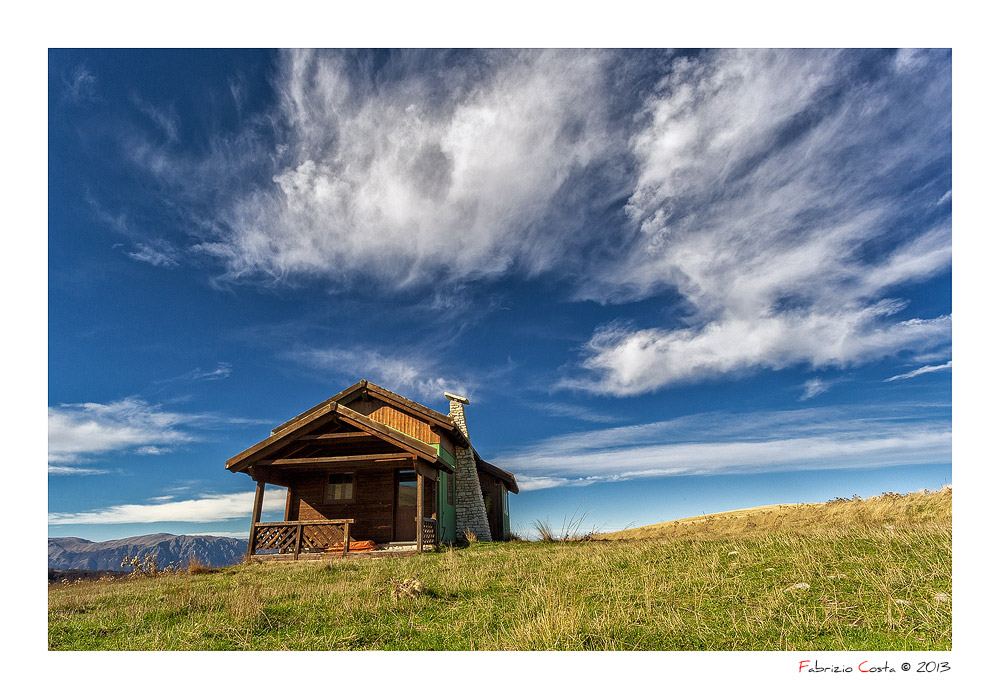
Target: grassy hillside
858,574
887,510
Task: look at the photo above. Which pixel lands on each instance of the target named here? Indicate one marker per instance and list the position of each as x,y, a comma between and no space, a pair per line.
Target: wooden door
406,505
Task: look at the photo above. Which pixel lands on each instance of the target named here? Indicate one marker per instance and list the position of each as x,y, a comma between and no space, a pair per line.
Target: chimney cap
459,399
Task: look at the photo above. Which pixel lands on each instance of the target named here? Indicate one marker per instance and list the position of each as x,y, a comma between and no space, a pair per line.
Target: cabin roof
334,410
505,476
436,419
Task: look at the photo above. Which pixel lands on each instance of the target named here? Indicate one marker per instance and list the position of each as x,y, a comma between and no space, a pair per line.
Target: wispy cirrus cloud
408,375
63,470
769,192
165,118
577,412
80,432
80,85
814,387
154,251
921,370
205,508
718,443
159,253
221,371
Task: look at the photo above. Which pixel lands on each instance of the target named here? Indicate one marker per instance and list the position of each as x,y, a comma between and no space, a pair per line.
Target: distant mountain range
71,553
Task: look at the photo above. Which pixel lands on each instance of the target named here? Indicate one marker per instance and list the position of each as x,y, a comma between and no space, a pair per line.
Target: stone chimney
470,511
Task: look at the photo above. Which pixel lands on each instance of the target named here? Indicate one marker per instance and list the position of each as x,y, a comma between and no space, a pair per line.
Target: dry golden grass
196,567
849,575
886,510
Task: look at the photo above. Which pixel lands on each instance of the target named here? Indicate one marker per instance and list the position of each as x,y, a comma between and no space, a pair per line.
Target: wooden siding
373,507
371,510
494,488
446,443
430,497
394,417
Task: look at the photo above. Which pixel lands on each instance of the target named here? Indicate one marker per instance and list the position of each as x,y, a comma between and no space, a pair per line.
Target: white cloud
437,166
813,387
407,376
81,431
715,444
86,429
158,253
221,371
768,196
150,450
773,191
80,85
628,361
75,471
164,118
207,508
575,411
921,370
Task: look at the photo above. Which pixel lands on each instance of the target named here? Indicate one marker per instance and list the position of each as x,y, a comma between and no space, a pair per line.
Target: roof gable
364,391
297,442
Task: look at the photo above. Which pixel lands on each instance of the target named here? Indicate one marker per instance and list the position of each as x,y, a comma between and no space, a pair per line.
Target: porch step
400,546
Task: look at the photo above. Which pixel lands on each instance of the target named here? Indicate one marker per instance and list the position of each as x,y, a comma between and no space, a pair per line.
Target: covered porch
356,506
321,539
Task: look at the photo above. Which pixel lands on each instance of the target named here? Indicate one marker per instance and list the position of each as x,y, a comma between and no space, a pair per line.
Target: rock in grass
409,587
942,597
798,586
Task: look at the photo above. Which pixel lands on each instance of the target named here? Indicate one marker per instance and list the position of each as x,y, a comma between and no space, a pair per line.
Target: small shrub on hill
147,566
196,567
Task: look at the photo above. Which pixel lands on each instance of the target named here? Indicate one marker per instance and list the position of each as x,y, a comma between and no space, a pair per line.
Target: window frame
328,499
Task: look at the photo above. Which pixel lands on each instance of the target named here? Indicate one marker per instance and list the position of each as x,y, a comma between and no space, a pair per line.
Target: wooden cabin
371,471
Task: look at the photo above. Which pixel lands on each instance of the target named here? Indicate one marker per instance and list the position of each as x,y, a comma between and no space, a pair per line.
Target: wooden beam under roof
335,436
325,460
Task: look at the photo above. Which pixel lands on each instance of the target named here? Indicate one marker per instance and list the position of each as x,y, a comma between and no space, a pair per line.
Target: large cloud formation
440,163
780,201
784,196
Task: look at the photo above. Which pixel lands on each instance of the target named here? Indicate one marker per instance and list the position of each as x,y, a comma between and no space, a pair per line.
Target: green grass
872,586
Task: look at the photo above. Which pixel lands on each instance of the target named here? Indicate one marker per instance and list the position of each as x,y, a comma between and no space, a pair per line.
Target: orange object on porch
355,546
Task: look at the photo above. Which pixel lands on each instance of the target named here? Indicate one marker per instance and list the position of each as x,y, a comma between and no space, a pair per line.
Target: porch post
420,511
258,504
434,514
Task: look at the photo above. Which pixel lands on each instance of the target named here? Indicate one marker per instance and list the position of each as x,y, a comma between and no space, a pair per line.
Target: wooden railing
313,535
430,528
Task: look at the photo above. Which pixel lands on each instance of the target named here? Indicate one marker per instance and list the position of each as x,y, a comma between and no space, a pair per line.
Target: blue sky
669,282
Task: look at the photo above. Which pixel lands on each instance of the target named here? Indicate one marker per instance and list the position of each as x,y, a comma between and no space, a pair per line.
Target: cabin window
340,487
450,478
